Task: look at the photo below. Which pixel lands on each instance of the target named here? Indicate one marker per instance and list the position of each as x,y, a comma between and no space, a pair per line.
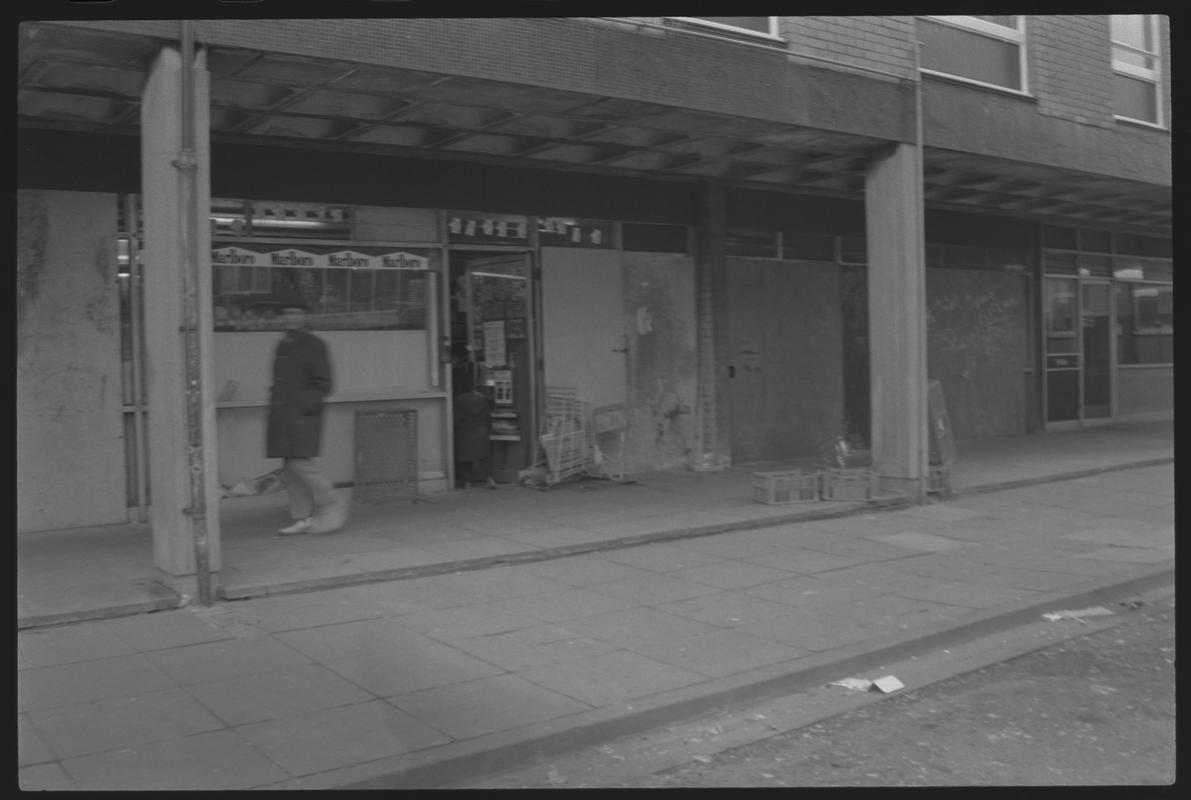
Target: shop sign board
566,232
318,257
472,228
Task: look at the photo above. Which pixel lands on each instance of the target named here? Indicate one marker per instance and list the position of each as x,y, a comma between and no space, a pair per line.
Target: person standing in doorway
301,381
472,424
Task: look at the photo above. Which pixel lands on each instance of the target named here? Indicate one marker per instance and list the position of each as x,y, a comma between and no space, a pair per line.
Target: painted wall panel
70,446
583,322
978,348
360,361
242,442
659,319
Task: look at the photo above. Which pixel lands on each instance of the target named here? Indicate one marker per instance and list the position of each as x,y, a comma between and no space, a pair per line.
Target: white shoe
299,527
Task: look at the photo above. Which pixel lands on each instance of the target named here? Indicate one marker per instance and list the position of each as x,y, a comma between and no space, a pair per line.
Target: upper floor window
1136,66
737,27
988,50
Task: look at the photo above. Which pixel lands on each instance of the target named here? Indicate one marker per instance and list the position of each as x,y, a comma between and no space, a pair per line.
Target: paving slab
119,722
486,705
361,732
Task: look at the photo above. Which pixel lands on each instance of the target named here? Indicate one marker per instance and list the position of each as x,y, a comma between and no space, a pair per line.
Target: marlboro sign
319,257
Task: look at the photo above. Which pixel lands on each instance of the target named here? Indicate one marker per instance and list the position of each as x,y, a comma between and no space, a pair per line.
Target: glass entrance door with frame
1077,326
494,336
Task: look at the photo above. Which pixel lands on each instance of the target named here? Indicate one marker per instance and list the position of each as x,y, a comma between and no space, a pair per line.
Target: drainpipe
920,199
187,166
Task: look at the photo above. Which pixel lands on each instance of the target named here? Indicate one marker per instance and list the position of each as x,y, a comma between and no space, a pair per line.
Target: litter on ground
1094,611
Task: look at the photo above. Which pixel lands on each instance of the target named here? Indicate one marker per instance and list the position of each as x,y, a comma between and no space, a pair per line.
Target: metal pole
187,165
920,285
136,307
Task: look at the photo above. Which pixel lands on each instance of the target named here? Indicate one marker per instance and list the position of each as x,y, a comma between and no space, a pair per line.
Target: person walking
301,381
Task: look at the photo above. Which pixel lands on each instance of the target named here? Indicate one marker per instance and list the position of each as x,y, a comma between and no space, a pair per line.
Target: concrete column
711,304
897,320
164,258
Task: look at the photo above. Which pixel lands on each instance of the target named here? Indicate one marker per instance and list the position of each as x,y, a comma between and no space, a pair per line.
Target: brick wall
1070,67
884,44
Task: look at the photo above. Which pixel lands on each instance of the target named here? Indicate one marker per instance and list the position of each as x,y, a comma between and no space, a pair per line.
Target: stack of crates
939,479
793,486
858,483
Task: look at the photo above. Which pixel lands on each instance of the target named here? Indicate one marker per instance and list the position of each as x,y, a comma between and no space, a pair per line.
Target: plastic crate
794,486
938,480
849,484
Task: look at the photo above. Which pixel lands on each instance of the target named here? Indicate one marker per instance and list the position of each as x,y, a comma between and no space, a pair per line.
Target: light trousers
311,495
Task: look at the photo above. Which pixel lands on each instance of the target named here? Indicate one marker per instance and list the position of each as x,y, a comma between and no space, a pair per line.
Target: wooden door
785,336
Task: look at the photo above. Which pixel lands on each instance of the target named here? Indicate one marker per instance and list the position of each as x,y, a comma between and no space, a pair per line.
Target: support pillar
897,320
710,305
166,241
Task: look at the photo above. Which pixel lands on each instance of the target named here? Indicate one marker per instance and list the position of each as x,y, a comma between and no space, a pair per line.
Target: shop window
1131,244
1095,266
649,238
853,250
1145,323
988,50
808,247
1060,238
1142,269
1095,241
1060,263
250,298
1136,68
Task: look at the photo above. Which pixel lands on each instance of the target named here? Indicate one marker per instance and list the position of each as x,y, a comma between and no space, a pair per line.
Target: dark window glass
1142,269
1060,238
960,257
1095,265
808,247
934,256
760,244
647,238
757,24
968,54
1008,258
1095,241
1145,323
1060,263
1134,245
853,250
1134,98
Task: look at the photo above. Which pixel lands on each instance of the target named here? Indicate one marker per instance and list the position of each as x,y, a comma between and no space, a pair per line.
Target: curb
162,598
489,755
1063,476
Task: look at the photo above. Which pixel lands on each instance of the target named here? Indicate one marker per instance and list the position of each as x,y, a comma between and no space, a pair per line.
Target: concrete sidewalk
108,571
448,675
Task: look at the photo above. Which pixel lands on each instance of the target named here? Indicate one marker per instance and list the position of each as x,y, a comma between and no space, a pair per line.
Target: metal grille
386,455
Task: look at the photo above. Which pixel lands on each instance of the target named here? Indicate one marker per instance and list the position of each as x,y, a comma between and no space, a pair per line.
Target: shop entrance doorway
1077,317
494,349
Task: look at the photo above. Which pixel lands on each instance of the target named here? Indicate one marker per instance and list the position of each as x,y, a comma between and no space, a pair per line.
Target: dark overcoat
301,379
472,411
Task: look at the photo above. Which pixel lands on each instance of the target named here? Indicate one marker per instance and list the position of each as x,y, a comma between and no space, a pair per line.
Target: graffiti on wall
659,298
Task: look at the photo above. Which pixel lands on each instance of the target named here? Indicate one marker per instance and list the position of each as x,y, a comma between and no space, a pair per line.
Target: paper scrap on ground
888,684
860,684
1094,611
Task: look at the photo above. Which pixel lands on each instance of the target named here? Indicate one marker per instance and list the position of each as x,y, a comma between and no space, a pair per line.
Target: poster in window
515,328
494,343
